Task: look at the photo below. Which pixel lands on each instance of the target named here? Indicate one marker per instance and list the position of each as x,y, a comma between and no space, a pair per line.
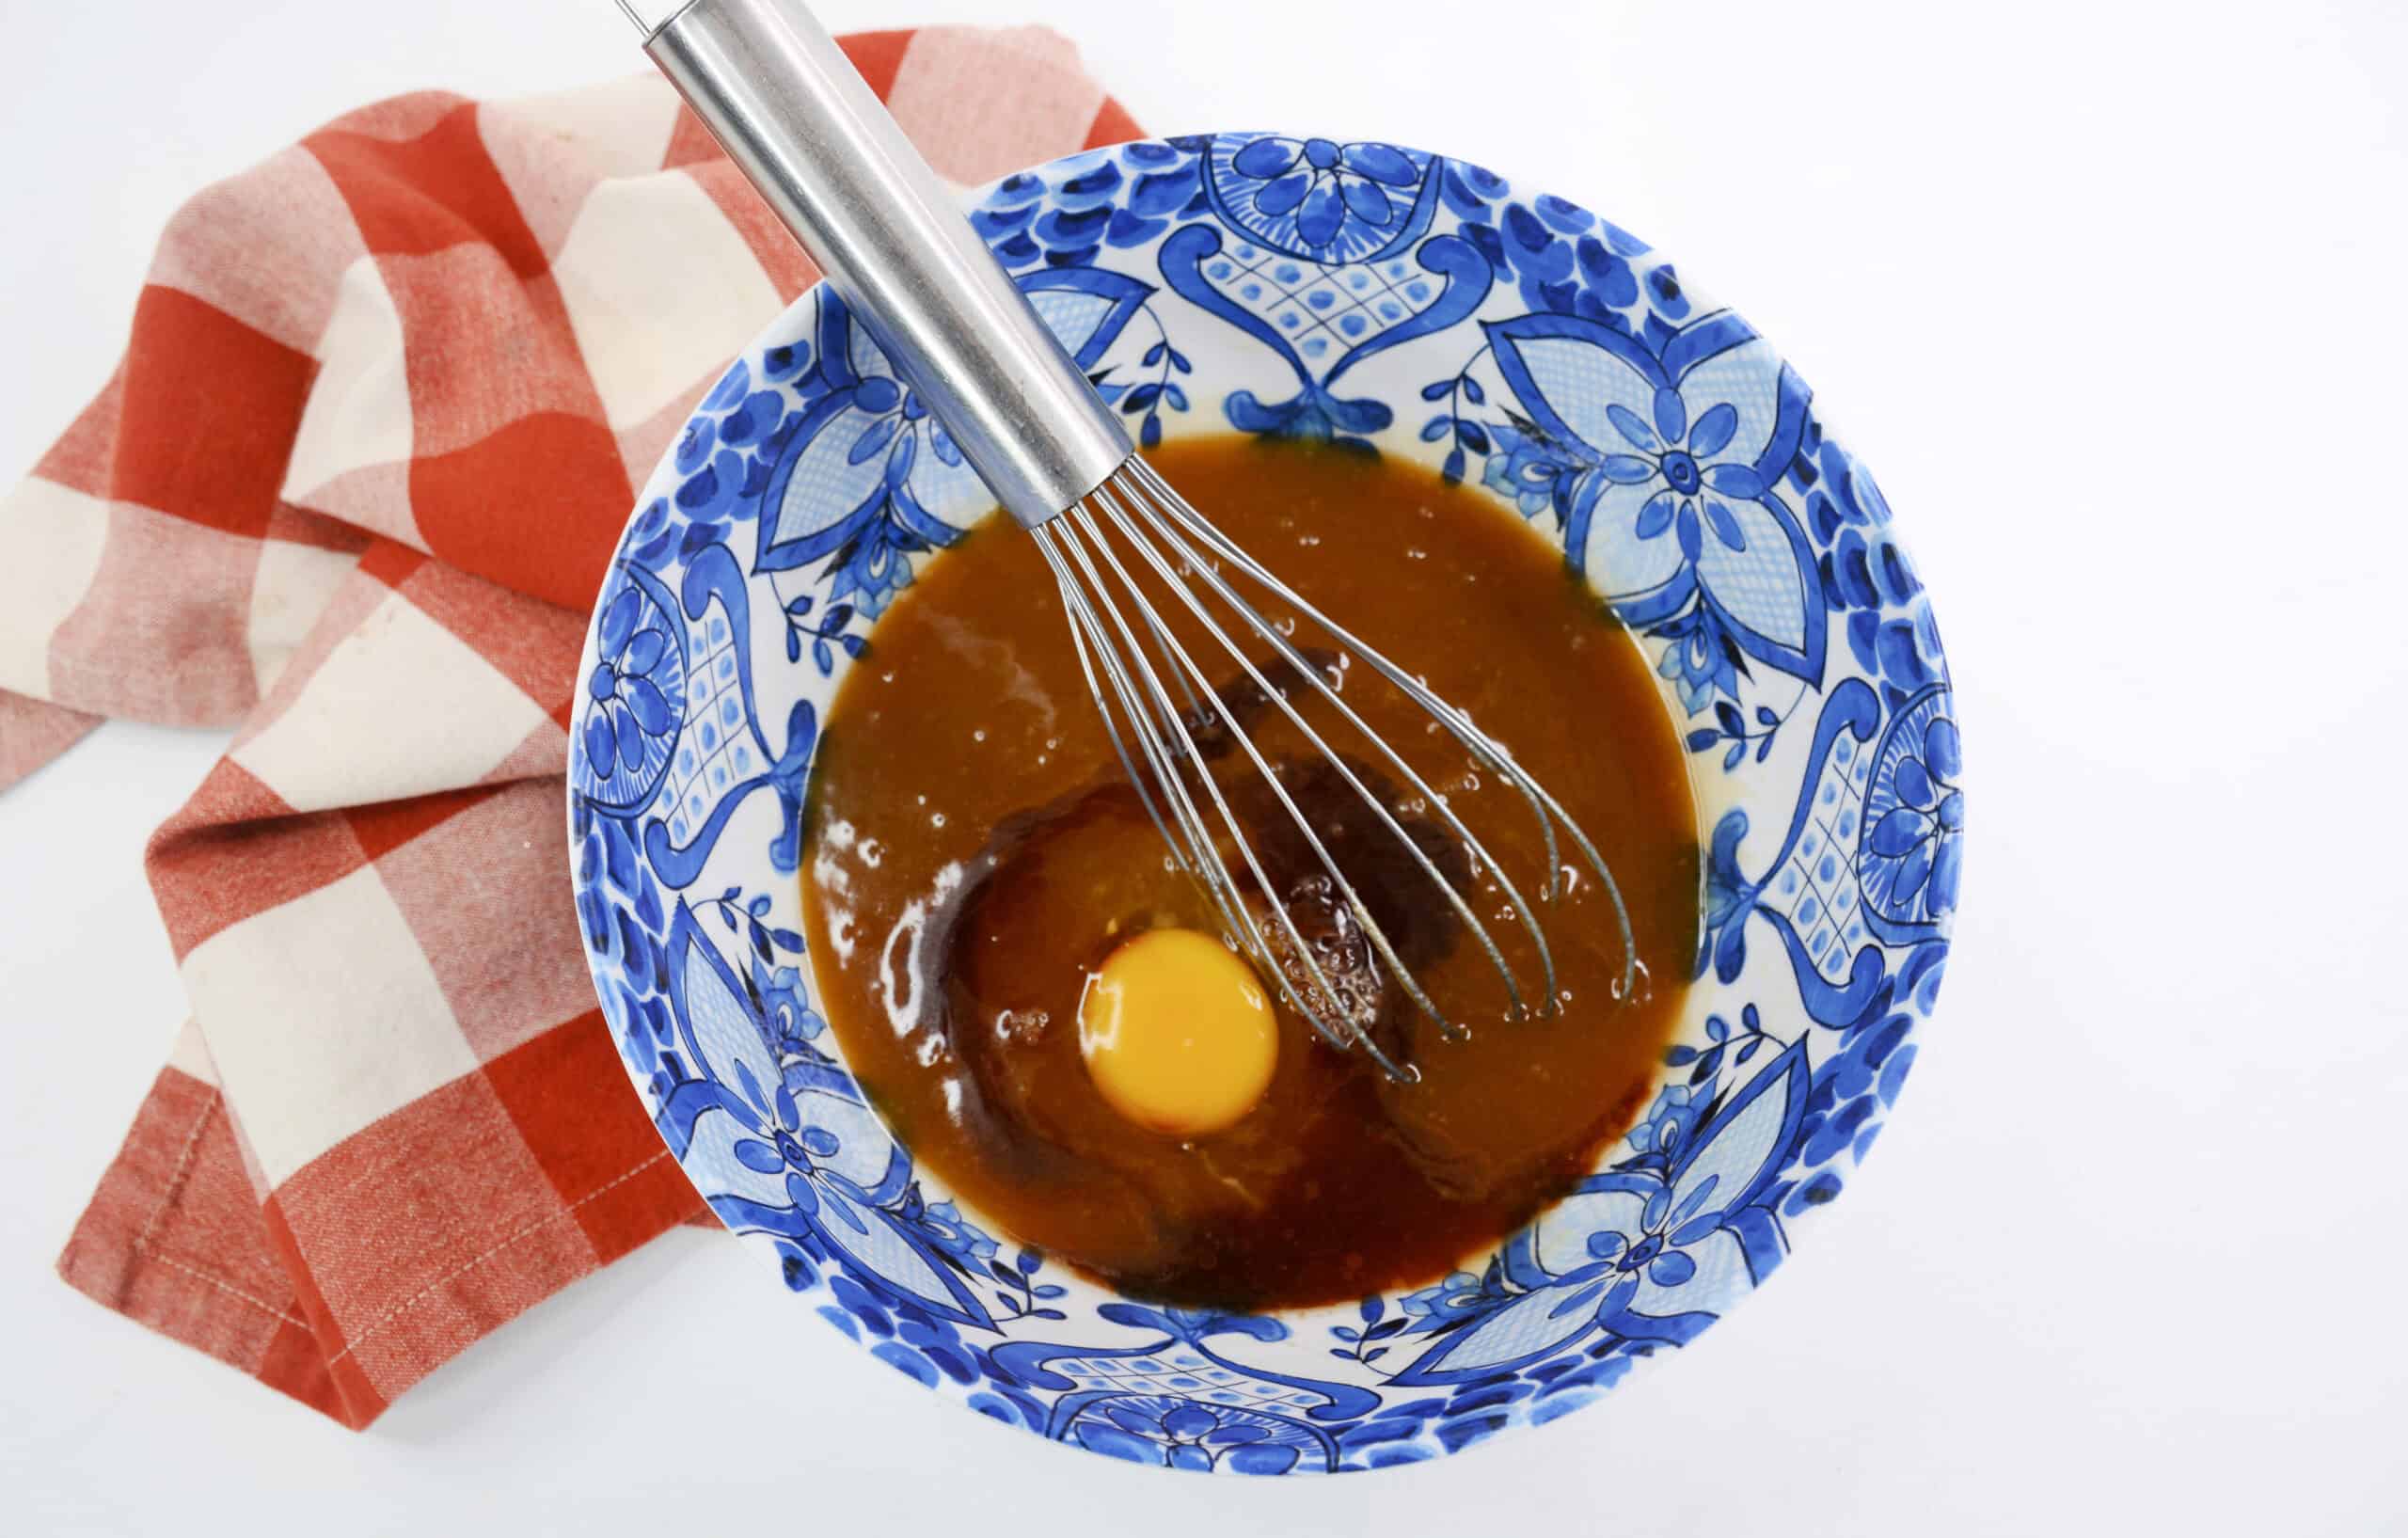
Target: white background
2113,296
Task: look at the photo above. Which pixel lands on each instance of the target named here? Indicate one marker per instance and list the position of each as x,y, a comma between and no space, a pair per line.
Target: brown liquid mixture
974,852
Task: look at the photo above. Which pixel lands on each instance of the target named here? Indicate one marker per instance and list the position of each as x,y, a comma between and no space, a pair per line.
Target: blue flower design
1916,845
1175,1432
635,697
866,478
793,1026
1530,471
793,1150
1664,1247
956,1236
1679,455
631,708
1660,1135
866,514
1458,1297
1317,197
780,1144
1661,456
1537,473
1650,1252
1699,658
1729,897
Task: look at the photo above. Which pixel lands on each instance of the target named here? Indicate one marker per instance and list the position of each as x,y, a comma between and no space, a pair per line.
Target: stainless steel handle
790,110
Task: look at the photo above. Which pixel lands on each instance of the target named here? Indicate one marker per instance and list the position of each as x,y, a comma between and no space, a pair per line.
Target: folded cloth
351,491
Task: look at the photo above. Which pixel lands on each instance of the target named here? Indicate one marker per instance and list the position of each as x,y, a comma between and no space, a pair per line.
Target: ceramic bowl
1444,315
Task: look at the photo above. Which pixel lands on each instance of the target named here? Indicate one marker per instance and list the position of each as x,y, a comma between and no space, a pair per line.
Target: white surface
2111,295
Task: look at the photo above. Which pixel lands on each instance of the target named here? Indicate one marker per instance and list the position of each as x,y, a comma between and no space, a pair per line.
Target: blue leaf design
1159,193
1713,430
1736,479
1655,514
1086,308
873,438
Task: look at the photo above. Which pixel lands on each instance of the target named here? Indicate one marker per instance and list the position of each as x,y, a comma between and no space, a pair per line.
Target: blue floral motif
1914,813
1177,1433
862,480
1686,474
1658,1136
1701,659
1652,1250
1459,1297
843,490
1663,465
1181,1390
635,693
964,1242
1303,311
1321,200
811,1164
786,1015
727,755
1528,470
1813,895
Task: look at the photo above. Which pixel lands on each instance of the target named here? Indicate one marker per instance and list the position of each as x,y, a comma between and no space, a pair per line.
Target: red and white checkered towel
351,491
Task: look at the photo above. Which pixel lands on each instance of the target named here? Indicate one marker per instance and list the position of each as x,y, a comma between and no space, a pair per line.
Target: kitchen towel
351,493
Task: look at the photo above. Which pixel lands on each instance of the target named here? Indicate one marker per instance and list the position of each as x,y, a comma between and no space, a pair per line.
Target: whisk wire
1192,847
1548,809
1081,620
1388,819
1164,757
1521,908
1125,645
1340,884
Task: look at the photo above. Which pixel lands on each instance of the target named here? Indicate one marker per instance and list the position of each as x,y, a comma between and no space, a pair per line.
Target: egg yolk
1177,1033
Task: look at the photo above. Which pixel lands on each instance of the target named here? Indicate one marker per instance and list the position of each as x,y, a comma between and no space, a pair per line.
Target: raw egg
1177,1033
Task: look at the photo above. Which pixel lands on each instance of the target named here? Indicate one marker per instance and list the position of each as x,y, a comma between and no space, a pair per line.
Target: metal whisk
781,98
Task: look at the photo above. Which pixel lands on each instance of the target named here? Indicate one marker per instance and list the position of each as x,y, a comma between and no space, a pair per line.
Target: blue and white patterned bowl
1436,311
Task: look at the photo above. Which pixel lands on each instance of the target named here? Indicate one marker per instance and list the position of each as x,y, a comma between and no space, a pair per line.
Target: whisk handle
791,112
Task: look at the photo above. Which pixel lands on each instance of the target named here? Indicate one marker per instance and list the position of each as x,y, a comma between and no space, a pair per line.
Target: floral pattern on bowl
1419,307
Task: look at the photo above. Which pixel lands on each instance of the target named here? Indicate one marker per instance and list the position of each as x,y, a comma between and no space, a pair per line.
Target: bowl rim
1863,705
